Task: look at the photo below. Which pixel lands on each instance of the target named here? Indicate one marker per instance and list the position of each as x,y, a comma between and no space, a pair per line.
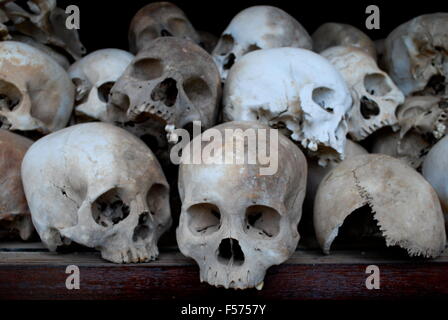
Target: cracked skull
258,27
416,55
99,186
14,213
375,96
36,93
159,19
94,76
294,90
170,84
400,204
235,222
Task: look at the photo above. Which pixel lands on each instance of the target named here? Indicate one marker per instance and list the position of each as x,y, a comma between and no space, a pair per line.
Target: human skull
426,115
235,222
254,28
434,170
36,93
375,96
416,55
423,121
339,34
410,148
45,23
159,19
404,206
99,186
94,75
169,84
294,90
14,213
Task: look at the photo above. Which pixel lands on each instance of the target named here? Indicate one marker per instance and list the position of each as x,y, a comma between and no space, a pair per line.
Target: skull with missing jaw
99,186
236,222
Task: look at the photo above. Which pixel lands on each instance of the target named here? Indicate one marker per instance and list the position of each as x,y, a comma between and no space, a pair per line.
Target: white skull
375,96
416,55
15,216
435,171
235,222
94,76
99,186
339,34
402,206
294,90
258,27
36,93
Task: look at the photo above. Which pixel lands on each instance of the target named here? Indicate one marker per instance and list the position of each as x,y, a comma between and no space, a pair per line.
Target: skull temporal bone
235,222
99,186
293,89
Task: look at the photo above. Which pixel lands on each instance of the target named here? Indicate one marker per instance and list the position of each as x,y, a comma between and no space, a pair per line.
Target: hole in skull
165,33
109,209
142,230
147,69
230,253
323,97
376,84
10,95
166,91
203,218
360,225
369,108
225,45
436,85
197,91
264,220
230,61
158,199
104,91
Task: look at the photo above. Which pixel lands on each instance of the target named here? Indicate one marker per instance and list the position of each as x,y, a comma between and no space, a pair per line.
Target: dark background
104,24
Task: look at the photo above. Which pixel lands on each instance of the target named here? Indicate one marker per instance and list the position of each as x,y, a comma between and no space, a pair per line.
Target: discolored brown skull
159,19
172,82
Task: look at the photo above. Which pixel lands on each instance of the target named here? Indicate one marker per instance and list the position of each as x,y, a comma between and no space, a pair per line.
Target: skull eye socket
10,95
104,91
110,209
204,218
147,69
197,90
158,199
262,221
376,84
225,45
323,97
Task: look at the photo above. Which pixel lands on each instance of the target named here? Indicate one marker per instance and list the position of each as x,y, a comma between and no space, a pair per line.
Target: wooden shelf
29,271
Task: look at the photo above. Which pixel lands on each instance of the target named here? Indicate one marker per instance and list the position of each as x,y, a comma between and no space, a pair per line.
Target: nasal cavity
230,61
165,33
166,91
369,108
142,230
230,253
